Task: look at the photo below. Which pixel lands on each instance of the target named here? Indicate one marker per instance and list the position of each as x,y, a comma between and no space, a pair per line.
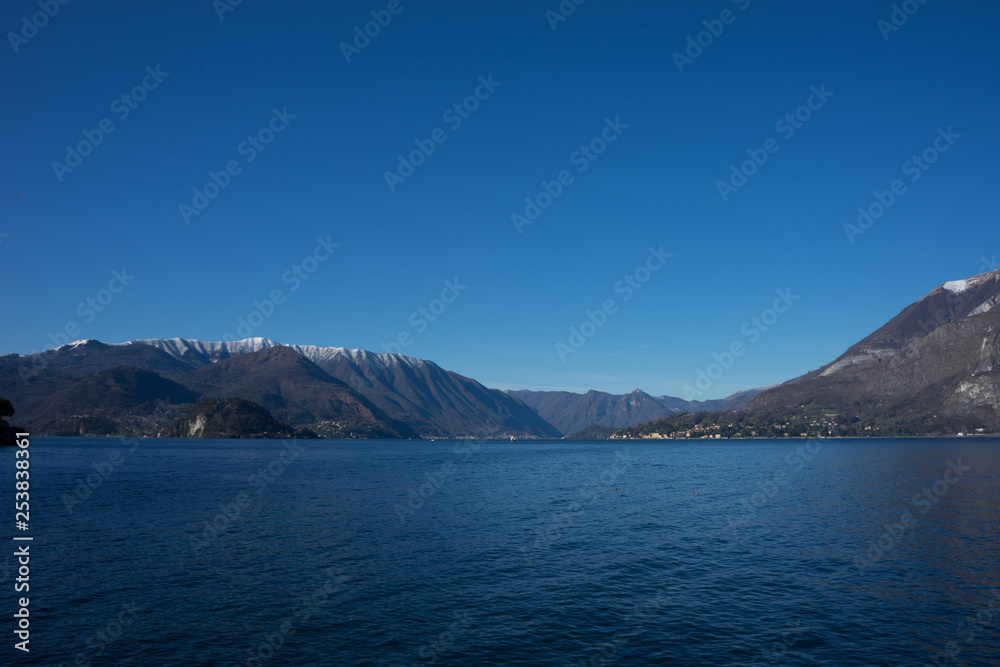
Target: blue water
529,553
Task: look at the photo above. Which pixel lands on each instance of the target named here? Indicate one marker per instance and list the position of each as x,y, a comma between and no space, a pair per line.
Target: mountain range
933,368
570,412
90,387
335,391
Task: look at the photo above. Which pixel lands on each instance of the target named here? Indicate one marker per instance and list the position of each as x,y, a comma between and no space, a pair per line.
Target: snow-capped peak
75,343
959,286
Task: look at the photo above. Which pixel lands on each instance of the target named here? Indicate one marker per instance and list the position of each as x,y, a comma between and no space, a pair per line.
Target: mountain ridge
934,365
433,401
414,392
573,412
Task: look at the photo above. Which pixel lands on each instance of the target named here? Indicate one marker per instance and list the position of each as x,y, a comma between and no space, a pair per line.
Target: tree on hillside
6,410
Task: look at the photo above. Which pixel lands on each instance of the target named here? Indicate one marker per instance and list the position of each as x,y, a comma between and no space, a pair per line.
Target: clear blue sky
323,175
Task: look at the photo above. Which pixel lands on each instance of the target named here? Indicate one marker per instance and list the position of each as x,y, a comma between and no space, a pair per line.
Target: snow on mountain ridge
959,286
219,350
74,344
965,284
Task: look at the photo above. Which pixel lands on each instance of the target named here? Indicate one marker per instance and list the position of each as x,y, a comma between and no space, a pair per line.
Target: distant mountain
431,400
592,432
339,392
571,412
108,402
939,358
295,391
42,386
89,356
231,418
54,400
738,401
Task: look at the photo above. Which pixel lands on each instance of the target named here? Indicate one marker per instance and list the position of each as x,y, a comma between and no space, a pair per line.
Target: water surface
790,552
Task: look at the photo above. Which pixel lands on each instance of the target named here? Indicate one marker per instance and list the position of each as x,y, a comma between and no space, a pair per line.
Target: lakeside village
807,421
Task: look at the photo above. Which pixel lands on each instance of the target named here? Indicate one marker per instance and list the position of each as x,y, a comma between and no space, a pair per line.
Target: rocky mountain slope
63,398
296,391
938,358
116,401
231,418
431,400
336,391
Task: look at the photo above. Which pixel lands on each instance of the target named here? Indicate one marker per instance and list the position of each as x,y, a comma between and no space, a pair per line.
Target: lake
323,552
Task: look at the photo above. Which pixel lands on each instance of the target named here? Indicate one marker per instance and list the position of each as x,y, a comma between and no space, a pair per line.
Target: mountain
231,418
936,363
737,401
592,432
571,412
433,401
55,400
41,385
116,401
342,391
89,356
337,391
295,391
